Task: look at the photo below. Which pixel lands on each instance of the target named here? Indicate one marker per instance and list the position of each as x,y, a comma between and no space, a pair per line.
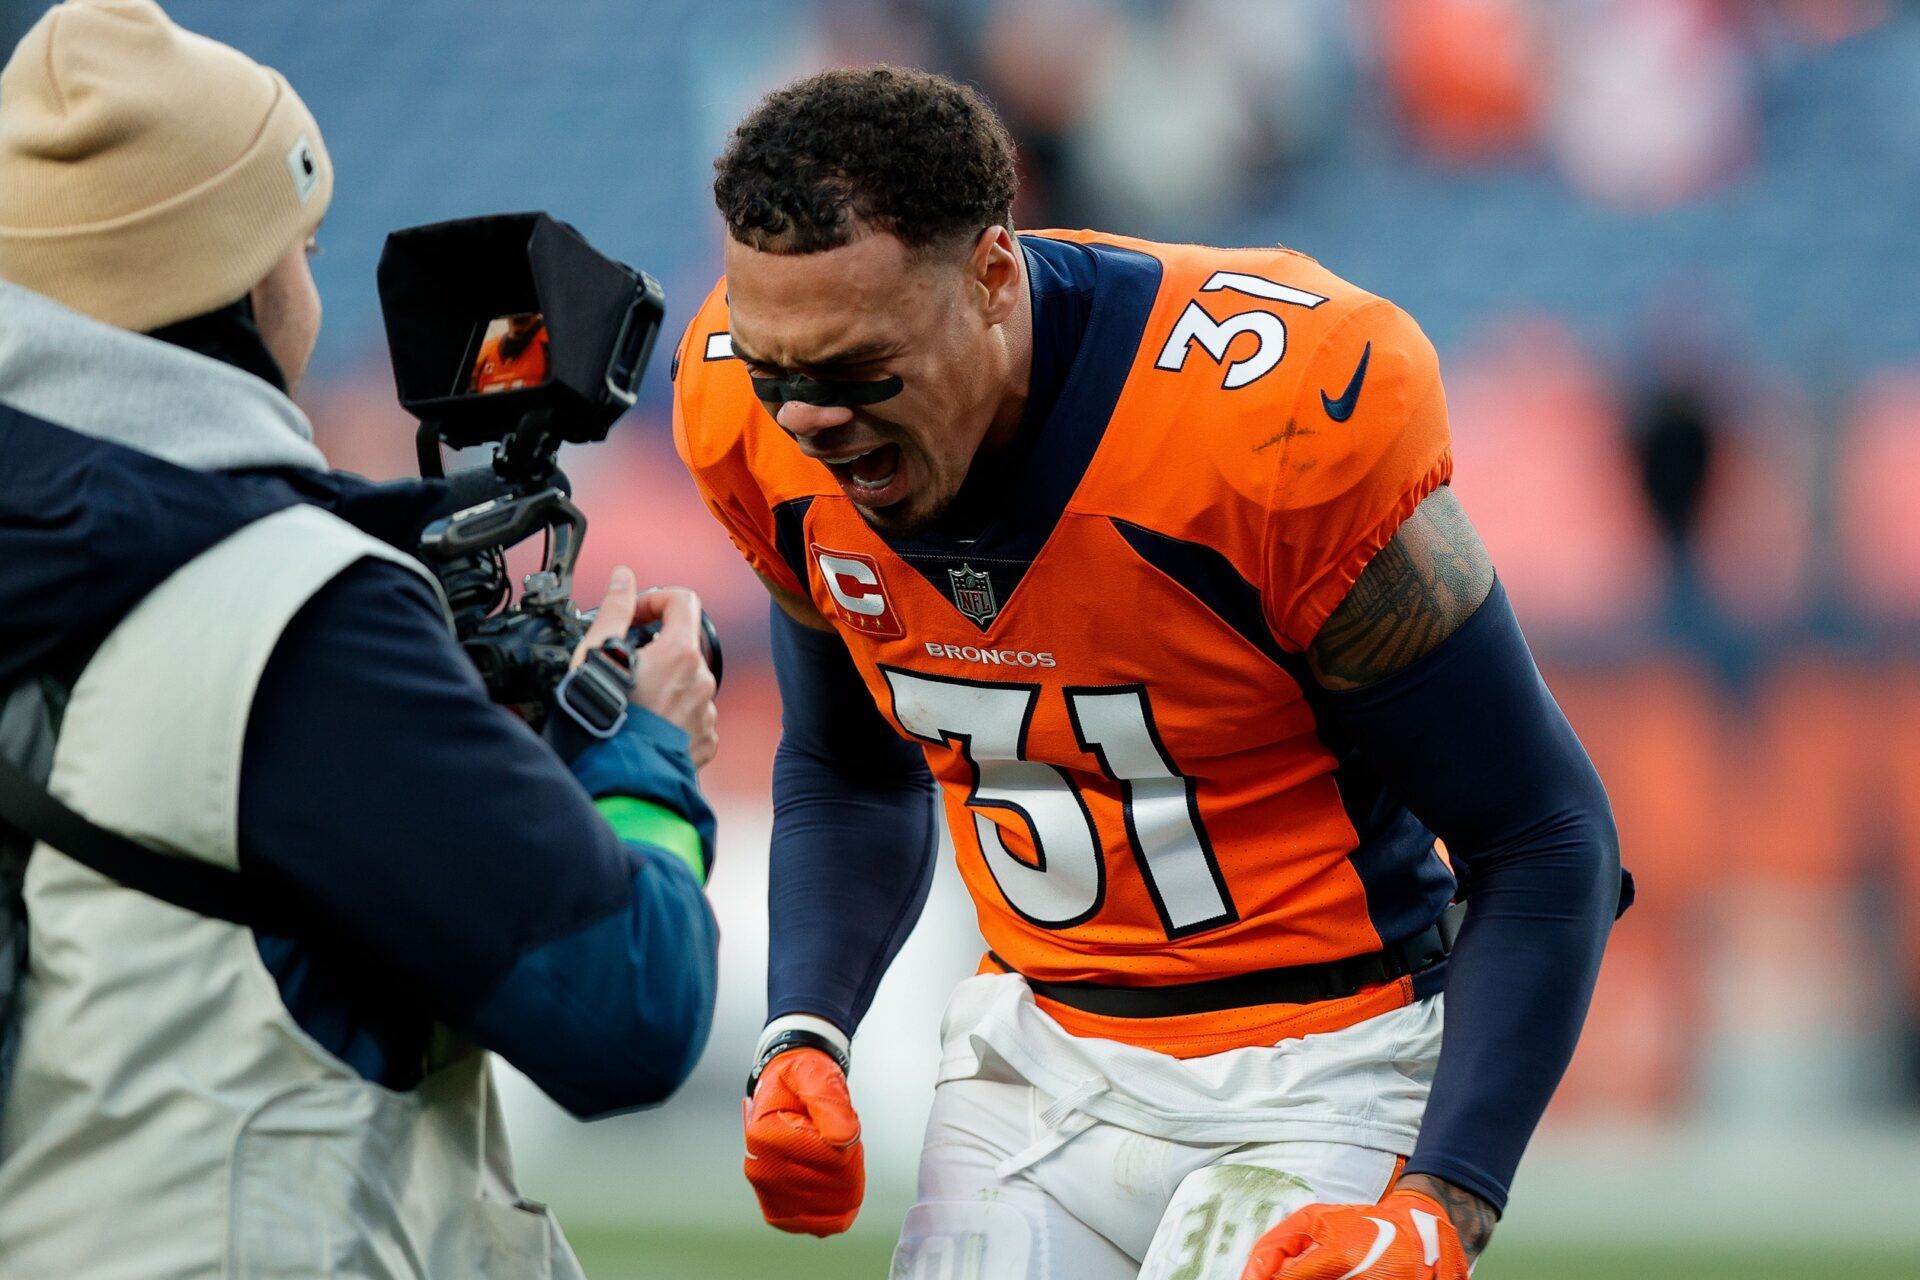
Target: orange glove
803,1145
1407,1236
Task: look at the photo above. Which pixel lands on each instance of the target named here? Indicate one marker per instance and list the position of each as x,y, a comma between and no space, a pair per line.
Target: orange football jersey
1108,681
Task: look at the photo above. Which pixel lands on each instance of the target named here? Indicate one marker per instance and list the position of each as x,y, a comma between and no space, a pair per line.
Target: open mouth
876,478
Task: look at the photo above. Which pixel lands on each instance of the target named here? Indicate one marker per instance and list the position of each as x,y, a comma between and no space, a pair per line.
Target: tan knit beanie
148,174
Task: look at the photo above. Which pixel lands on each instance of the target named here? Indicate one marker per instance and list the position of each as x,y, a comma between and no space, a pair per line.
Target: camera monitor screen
506,353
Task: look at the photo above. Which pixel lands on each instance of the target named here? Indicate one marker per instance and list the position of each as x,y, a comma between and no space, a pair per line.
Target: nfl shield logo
973,592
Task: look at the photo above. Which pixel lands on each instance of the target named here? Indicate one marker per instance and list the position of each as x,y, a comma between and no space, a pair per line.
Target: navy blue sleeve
1475,746
405,820
854,834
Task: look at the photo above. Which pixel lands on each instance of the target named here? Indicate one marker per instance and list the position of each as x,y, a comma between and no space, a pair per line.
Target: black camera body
512,331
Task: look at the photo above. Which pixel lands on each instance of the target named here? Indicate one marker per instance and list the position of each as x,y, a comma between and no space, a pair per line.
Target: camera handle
505,522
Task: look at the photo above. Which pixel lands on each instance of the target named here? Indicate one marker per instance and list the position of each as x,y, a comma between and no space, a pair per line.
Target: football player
1145,554
515,357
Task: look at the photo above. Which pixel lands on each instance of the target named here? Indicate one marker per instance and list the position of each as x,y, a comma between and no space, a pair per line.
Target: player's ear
994,268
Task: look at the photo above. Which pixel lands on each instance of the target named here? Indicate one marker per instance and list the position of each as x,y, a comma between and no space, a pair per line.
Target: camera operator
212,646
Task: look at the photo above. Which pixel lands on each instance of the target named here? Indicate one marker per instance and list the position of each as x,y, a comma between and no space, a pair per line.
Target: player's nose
803,420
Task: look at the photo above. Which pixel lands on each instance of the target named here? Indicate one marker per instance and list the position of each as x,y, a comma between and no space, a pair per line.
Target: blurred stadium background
1670,253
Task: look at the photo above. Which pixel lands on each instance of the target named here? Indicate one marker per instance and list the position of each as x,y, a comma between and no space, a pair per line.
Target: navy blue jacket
441,862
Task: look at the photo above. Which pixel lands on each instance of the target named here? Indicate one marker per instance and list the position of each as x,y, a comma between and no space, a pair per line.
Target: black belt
1295,984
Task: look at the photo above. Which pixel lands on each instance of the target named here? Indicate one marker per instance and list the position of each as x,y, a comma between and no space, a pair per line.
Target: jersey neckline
1090,305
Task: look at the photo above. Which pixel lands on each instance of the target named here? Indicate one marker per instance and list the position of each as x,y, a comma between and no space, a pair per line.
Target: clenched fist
804,1157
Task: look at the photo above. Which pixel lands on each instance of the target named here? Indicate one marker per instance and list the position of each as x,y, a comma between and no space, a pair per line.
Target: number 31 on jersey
1196,324
1065,883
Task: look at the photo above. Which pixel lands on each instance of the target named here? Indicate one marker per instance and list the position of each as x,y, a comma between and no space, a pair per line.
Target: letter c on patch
859,594
865,597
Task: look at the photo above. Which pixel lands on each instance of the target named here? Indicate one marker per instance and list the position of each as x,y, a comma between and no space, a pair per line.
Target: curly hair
893,149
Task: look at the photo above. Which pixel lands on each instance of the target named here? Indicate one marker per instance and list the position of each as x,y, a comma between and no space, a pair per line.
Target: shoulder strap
197,886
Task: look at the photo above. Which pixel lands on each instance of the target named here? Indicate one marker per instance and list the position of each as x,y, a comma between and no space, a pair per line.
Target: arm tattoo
1428,580
1471,1216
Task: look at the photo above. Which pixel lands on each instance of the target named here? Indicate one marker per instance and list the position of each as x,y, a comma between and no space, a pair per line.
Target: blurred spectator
1469,76
1675,428
1755,546
1674,435
1137,119
1655,101
1727,467
1289,63
1879,476
1043,62
1166,139
1543,468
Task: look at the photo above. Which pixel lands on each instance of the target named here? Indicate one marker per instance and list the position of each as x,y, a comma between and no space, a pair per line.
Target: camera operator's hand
613,618
671,678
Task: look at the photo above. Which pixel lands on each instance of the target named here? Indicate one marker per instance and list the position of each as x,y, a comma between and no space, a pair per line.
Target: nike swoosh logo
1427,1227
1342,409
1386,1230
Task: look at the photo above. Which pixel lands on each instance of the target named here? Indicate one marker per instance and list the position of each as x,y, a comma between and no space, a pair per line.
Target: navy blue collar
1060,282
1090,308
1062,277
231,335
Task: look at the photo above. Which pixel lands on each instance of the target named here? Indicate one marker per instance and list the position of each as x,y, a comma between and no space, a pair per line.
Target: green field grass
756,1253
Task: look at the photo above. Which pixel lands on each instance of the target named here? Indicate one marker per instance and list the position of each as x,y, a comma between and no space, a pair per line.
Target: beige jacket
168,1119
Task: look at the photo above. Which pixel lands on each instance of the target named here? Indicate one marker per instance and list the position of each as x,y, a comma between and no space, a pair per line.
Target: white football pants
1013,1187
